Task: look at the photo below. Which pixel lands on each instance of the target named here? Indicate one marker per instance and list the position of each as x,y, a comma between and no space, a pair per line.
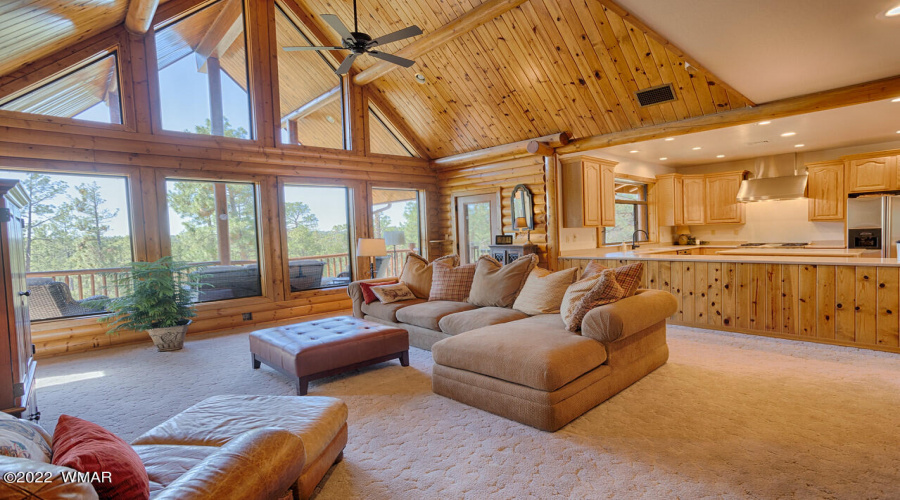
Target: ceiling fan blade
291,49
399,61
397,36
338,26
345,66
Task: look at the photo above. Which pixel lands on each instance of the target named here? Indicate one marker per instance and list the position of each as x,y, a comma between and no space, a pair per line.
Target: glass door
478,220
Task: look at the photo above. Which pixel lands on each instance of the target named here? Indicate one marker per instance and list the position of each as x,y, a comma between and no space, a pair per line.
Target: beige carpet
730,416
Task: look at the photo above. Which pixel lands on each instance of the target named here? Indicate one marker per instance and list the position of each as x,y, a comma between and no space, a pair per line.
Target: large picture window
318,236
213,225
77,239
631,213
395,217
202,64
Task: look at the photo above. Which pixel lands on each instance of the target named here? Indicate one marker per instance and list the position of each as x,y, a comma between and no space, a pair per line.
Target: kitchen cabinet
589,187
694,196
721,202
825,186
670,200
872,174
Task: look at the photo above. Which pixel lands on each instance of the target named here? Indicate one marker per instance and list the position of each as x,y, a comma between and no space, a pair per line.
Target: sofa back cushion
451,283
23,439
586,294
417,273
544,291
496,285
628,277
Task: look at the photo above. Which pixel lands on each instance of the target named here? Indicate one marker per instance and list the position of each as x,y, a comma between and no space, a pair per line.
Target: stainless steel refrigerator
873,224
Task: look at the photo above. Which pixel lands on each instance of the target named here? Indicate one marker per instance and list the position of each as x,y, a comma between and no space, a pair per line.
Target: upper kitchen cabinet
670,199
694,196
722,206
589,184
826,191
872,174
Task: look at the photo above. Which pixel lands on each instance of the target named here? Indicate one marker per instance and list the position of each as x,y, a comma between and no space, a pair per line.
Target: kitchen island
839,298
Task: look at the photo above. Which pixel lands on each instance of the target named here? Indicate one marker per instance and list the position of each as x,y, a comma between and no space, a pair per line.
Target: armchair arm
260,464
355,293
618,320
48,484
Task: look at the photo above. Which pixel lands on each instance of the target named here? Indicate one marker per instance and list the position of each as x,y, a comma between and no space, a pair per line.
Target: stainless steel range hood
765,188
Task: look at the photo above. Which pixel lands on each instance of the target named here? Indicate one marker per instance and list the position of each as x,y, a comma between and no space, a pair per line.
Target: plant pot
169,339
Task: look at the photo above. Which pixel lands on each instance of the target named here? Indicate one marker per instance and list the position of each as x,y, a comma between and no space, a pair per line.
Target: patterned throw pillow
23,439
543,291
366,289
628,277
496,285
393,293
417,273
584,295
451,283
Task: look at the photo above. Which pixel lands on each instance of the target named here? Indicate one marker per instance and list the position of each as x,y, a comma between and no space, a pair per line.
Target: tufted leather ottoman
322,348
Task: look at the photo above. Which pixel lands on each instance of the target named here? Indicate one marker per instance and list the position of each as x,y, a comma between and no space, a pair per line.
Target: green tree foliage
40,190
230,131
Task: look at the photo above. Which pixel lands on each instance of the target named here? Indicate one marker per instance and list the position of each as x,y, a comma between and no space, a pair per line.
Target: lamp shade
392,238
371,247
521,223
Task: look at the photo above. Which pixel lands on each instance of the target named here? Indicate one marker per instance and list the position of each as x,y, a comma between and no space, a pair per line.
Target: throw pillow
366,289
496,285
23,439
87,447
393,293
451,283
629,276
543,291
417,273
584,295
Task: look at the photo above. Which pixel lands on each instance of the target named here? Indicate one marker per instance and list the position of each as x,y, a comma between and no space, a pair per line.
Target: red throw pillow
368,294
116,469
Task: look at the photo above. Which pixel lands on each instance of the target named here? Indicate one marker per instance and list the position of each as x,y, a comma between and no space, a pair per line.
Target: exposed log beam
221,34
820,101
459,26
539,148
314,105
140,15
497,153
637,23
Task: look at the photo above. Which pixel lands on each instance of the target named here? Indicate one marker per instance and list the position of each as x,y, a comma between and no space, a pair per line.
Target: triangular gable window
384,138
90,92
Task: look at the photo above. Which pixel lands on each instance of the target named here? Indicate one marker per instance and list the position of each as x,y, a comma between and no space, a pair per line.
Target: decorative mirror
522,208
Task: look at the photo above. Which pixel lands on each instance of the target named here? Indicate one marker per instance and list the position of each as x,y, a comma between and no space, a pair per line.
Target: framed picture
503,239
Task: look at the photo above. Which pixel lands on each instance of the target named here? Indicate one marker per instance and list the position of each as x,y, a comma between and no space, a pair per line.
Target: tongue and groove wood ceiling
543,67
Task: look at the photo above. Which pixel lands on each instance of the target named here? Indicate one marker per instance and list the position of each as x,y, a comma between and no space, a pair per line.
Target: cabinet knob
26,293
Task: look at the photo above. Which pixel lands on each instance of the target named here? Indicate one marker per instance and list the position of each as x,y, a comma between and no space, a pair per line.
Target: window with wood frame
202,71
631,213
384,138
318,236
88,92
213,225
310,94
395,217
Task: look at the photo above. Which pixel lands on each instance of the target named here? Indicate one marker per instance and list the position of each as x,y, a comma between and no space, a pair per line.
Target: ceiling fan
361,43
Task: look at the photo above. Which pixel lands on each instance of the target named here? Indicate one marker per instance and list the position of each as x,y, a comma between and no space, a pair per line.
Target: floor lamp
392,239
371,248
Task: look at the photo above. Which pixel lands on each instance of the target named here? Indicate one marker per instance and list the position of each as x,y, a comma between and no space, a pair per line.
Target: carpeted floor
729,416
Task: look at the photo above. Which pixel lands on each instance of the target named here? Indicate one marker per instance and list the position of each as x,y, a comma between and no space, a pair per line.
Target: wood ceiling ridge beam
862,93
221,34
494,154
314,104
637,23
140,16
463,24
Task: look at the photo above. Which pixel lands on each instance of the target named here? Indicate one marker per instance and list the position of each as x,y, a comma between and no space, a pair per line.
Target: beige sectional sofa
530,368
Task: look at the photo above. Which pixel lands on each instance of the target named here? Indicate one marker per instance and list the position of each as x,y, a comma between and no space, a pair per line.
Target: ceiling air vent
656,95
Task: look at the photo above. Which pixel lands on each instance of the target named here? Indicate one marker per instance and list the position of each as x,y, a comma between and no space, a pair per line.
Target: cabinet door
873,174
722,206
826,192
608,195
591,198
693,199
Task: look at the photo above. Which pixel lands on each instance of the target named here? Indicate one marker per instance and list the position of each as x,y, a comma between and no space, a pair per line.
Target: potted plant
159,300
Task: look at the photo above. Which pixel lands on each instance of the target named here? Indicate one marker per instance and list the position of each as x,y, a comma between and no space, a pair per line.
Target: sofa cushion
429,314
24,439
417,273
611,322
387,312
544,290
167,462
451,283
465,321
628,277
496,285
52,486
584,295
522,352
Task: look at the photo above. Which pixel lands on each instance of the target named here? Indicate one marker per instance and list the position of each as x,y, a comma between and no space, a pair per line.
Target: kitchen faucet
634,238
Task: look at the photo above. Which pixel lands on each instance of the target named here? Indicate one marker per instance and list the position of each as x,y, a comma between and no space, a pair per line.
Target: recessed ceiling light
896,100
799,145
764,123
634,151
670,138
695,149
720,156
664,158
329,118
788,134
420,78
893,12
898,131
